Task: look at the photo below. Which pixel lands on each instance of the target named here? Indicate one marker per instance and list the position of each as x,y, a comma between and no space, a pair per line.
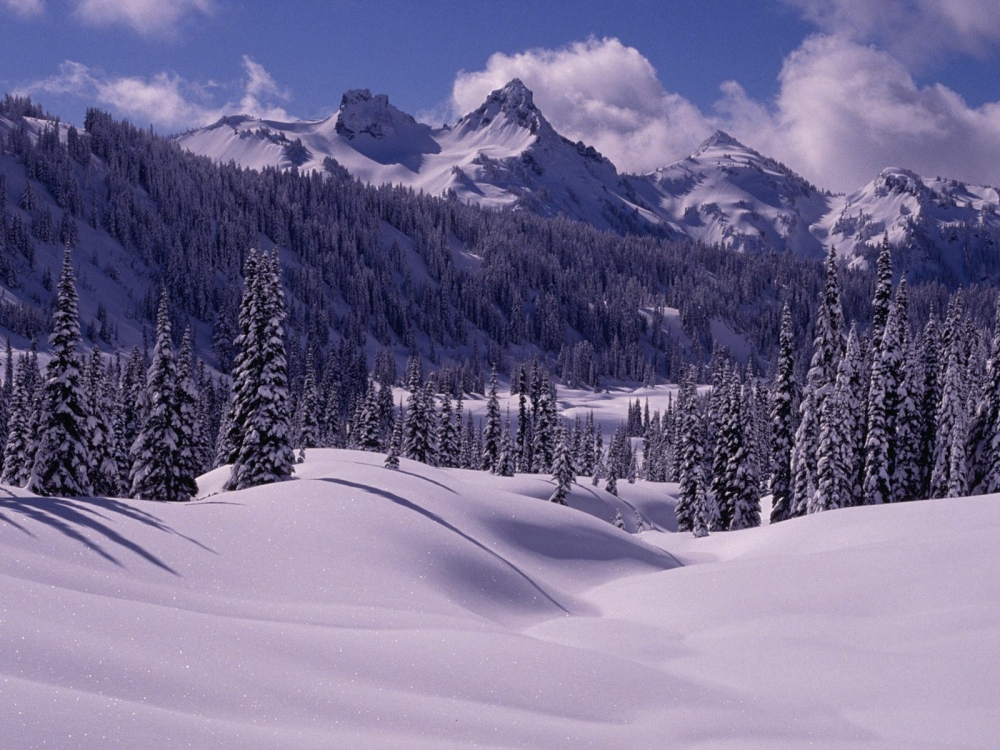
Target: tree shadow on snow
403,502
72,517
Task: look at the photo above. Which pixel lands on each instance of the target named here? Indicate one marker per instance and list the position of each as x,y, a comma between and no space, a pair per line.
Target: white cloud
147,17
598,91
913,31
843,112
260,87
25,8
164,99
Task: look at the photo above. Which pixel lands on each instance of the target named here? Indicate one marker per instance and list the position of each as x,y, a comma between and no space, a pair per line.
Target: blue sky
835,88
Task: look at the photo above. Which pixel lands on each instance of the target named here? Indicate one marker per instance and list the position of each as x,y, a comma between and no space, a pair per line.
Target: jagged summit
721,138
512,103
361,112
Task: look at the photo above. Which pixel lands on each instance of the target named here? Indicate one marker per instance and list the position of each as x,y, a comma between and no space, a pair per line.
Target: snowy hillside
432,608
503,154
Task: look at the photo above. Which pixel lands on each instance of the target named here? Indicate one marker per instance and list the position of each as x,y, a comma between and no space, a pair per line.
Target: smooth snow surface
428,608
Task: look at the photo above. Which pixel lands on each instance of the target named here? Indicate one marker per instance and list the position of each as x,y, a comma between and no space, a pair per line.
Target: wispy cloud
913,31
165,99
147,17
24,8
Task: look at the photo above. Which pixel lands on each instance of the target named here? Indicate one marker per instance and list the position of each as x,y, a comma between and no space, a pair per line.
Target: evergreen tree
507,460
265,452
949,472
395,441
835,470
62,461
448,441
307,423
883,295
17,463
827,349
103,469
563,470
154,452
929,398
523,440
491,433
366,434
187,462
691,449
611,486
743,469
783,402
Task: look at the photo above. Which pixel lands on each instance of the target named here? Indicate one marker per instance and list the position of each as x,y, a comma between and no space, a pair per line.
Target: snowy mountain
728,194
505,153
944,228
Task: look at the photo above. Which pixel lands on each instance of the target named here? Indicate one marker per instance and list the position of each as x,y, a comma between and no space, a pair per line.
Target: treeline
901,414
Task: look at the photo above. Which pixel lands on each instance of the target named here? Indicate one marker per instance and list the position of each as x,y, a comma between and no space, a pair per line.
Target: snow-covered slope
503,154
726,193
430,608
939,225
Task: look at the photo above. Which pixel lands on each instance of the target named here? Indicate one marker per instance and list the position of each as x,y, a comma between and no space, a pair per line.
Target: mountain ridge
506,154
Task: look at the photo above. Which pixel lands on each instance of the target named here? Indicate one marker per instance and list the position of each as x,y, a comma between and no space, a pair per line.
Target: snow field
361,607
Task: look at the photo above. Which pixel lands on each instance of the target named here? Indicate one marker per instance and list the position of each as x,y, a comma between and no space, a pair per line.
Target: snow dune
430,608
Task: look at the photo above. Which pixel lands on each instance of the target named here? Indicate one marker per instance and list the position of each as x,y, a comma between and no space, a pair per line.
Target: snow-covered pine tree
828,347
835,470
265,453
248,360
611,485
492,429
727,441
563,471
449,449
691,450
103,469
431,421
154,452
307,421
469,445
633,469
395,440
6,391
414,425
883,400
784,398
187,463
366,435
619,521
507,460
16,465
906,476
745,482
928,399
523,440
62,460
882,301
949,447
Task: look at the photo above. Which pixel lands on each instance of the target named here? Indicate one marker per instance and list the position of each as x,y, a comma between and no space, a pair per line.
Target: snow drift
360,607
